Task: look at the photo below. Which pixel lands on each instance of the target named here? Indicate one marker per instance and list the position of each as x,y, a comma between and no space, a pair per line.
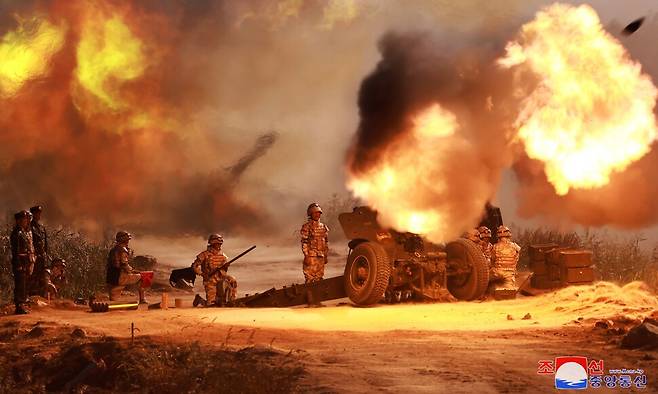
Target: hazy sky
253,67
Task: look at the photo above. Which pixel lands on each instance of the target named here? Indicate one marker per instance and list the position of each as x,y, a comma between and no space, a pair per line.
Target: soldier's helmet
21,214
503,232
215,239
59,263
472,234
484,232
123,236
315,207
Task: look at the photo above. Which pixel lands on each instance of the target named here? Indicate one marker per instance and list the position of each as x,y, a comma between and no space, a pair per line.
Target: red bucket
147,278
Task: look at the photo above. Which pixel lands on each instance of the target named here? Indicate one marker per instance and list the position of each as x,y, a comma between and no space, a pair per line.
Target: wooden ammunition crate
537,251
553,272
538,267
578,275
543,282
553,255
574,258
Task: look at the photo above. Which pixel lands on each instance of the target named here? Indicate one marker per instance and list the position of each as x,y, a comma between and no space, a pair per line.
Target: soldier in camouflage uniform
472,235
315,244
485,243
39,278
207,264
506,257
119,272
22,259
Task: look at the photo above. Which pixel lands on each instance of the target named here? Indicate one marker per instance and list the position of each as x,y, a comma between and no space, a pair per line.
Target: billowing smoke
153,115
562,101
434,134
141,115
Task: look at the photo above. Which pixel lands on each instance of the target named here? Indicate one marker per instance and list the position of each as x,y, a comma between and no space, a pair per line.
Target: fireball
25,53
108,55
403,185
589,112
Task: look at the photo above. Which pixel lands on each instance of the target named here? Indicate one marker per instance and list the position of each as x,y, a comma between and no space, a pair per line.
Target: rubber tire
469,253
379,274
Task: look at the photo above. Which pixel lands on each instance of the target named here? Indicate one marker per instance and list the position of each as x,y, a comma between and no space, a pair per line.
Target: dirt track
458,347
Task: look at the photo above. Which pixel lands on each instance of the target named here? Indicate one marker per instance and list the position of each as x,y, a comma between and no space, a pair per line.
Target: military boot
198,300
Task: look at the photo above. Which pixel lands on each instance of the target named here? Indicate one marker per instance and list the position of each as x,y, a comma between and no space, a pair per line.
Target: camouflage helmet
123,236
485,232
503,232
472,234
314,207
215,239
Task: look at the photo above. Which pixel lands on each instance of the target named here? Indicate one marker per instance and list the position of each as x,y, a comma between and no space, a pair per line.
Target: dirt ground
482,347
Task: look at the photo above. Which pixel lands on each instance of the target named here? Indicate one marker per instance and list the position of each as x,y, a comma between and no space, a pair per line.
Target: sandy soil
449,347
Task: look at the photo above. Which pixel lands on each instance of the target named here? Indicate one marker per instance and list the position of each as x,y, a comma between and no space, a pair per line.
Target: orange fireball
590,112
407,186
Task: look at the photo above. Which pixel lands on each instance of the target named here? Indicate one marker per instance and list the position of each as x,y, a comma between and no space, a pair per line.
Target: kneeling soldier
119,272
210,264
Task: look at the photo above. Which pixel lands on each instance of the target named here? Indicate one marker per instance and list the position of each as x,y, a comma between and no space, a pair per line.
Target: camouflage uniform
39,278
315,246
22,260
485,243
119,272
206,265
506,257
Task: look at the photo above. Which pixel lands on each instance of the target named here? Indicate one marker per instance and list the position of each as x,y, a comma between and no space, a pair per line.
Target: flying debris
633,26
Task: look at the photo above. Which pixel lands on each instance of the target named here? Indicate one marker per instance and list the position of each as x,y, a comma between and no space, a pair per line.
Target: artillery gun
394,266
386,265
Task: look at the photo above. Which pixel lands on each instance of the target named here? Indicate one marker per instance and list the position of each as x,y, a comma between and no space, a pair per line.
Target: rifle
232,260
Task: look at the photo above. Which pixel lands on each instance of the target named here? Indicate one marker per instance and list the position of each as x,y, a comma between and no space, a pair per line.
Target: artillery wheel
367,272
468,286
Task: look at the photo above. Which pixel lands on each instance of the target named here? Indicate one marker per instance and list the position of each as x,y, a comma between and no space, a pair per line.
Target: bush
85,262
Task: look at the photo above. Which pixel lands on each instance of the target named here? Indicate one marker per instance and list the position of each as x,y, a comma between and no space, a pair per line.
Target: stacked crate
540,278
572,266
555,266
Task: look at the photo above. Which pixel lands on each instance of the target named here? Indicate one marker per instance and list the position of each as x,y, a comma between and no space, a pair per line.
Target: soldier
22,259
56,277
119,272
472,235
38,280
210,264
506,257
485,243
315,244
